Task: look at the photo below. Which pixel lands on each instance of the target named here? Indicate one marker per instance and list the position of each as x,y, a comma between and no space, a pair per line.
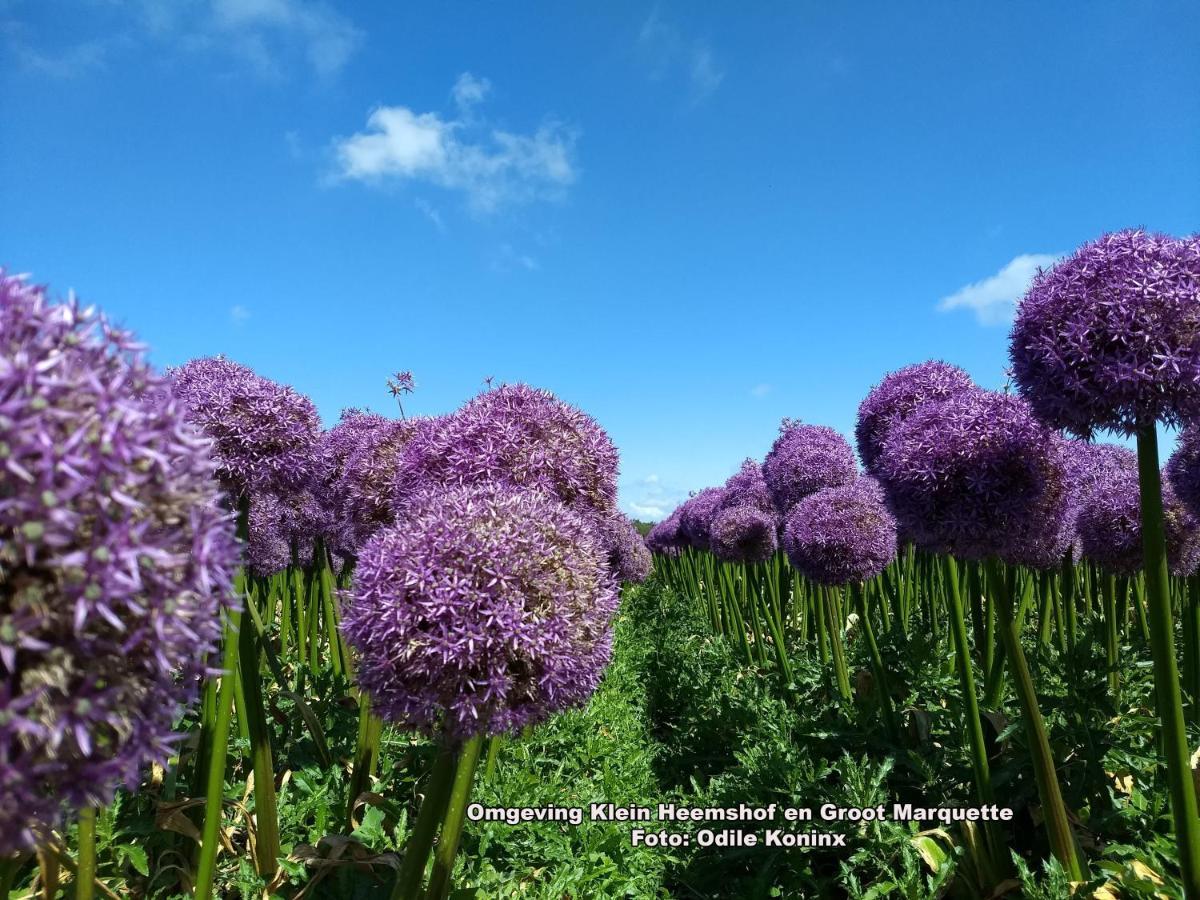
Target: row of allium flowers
196,536
992,521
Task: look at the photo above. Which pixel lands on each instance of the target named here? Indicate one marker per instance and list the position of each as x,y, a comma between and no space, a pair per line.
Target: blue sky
689,219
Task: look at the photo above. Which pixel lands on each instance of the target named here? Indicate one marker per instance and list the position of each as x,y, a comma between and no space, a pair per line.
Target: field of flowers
245,656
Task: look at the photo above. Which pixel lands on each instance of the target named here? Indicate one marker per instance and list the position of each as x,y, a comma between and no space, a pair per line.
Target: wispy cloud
672,53
995,298
267,35
492,167
760,390
238,314
649,498
507,259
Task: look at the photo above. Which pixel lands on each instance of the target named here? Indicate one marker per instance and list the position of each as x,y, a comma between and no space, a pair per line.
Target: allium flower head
628,556
1109,338
976,475
805,459
264,433
696,515
841,534
115,561
1183,468
369,475
744,534
330,455
896,397
488,608
520,436
1110,519
746,487
666,537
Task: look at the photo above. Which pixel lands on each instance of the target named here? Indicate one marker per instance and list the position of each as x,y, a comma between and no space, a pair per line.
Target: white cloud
490,166
238,314
995,298
760,390
266,34
431,213
469,91
670,51
649,499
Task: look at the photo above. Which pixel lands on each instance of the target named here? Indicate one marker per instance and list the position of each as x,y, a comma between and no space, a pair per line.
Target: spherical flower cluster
1183,468
976,475
1109,338
897,396
281,528
370,472
116,559
517,435
696,515
805,459
746,487
744,534
264,433
1110,519
330,455
488,608
666,537
841,534
628,556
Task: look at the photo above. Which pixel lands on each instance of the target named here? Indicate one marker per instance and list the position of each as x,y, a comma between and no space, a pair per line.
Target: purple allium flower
1109,338
1110,518
696,515
518,435
746,487
280,525
115,561
896,397
370,473
976,475
401,383
744,534
489,607
841,534
264,433
333,449
805,459
628,556
1183,468
666,537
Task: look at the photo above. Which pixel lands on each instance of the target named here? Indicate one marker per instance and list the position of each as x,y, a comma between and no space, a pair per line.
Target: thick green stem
1166,674
433,809
1112,640
882,687
1054,810
841,675
366,754
266,813
452,825
9,866
215,791
85,874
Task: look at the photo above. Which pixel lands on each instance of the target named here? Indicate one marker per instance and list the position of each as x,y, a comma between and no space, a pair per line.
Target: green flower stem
882,686
9,866
835,645
1054,810
1191,648
1112,638
433,810
266,813
215,790
1166,674
85,876
452,825
366,755
495,743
